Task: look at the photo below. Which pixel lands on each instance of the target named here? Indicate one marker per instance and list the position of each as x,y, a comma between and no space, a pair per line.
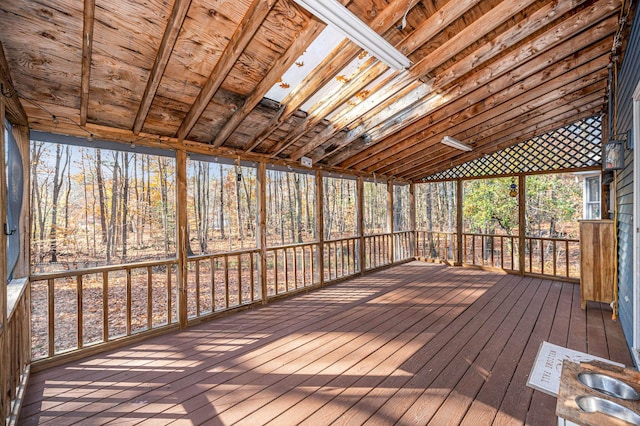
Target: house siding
628,78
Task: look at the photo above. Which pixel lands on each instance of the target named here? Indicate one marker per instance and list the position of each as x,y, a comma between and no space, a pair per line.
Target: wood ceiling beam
306,36
502,125
360,121
550,123
561,41
427,30
507,102
341,56
87,52
171,33
13,107
242,36
463,39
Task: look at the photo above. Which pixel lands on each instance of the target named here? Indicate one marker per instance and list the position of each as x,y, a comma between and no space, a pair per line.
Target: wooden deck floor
414,344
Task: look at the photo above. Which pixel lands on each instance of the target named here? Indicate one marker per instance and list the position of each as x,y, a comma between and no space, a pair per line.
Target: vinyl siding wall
628,78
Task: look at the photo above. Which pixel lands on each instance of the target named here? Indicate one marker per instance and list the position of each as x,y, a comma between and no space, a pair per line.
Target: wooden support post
262,228
3,237
521,222
605,190
320,224
413,242
4,336
360,224
181,238
459,222
390,220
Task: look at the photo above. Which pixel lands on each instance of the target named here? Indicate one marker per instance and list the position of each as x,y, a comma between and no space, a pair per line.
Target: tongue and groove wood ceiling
195,72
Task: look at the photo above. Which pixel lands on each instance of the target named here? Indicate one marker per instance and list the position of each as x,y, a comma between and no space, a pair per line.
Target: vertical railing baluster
79,322
129,304
105,306
149,297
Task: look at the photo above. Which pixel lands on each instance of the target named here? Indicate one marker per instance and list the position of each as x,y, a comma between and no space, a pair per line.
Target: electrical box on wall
306,161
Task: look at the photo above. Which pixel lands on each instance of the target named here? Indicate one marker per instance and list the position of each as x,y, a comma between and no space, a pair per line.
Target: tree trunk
238,209
101,197
125,203
221,210
114,207
58,176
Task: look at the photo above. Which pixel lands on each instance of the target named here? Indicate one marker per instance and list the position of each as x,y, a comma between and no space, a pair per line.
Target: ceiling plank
243,34
508,101
14,109
87,52
427,30
563,42
472,32
360,122
515,135
498,120
174,25
306,36
347,51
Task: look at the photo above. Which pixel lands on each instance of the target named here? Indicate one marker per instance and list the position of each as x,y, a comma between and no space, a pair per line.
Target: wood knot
47,35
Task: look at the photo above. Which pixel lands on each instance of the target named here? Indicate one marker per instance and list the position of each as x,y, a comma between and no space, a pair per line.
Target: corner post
521,222
320,224
181,238
360,224
459,222
390,221
262,228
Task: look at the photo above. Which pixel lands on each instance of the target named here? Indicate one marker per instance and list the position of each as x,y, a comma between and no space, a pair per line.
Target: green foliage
488,207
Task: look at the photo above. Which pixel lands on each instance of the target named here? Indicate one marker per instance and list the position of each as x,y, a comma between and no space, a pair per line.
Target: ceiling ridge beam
171,33
361,120
588,91
496,107
548,124
382,23
242,36
549,44
87,53
471,33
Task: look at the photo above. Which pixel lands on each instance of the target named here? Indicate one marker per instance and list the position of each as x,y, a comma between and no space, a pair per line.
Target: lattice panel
575,146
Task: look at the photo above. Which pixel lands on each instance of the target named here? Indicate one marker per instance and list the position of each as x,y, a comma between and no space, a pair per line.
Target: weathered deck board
414,344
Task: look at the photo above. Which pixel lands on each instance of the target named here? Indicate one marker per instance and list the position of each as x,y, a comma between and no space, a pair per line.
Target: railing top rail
312,243
437,232
384,234
337,240
101,269
473,234
571,240
222,254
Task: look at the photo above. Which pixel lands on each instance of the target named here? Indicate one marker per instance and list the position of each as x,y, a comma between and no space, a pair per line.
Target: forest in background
95,207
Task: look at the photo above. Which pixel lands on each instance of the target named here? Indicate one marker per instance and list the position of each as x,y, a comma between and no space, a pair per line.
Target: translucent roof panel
328,39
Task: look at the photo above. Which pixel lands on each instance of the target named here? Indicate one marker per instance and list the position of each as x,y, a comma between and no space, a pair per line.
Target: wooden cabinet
597,257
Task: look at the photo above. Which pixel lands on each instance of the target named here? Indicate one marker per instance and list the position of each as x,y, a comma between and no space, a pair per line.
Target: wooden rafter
541,110
497,106
517,135
178,14
556,43
365,122
310,32
504,130
427,30
243,34
344,53
87,52
454,45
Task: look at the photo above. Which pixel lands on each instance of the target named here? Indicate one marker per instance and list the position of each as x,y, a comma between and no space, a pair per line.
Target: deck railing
377,251
15,335
403,245
341,258
222,281
558,257
292,267
490,250
436,246
84,307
